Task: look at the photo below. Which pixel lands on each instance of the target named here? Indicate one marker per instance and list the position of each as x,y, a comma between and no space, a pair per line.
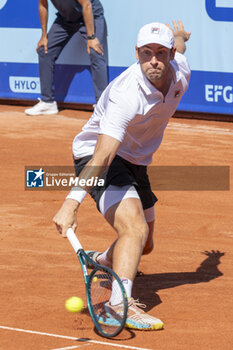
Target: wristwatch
91,37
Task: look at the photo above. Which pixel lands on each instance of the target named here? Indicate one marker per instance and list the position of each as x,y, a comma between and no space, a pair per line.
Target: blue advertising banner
220,10
209,50
19,14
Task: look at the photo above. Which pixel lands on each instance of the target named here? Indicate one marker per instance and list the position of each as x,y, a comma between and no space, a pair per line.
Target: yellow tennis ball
74,304
95,279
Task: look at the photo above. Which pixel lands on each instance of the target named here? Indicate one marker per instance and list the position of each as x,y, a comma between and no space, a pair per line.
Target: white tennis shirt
134,112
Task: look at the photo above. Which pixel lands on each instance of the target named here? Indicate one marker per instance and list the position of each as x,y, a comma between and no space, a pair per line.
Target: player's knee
137,230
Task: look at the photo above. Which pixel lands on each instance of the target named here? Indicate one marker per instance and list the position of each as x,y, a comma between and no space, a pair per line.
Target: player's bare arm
43,13
180,35
105,150
89,23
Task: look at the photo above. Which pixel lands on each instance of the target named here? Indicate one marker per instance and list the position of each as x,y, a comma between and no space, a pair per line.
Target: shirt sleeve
122,106
183,64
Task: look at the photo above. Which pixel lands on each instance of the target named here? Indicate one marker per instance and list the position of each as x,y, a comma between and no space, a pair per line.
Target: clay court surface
187,281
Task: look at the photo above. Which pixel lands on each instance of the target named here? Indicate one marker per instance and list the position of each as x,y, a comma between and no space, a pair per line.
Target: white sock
116,297
103,259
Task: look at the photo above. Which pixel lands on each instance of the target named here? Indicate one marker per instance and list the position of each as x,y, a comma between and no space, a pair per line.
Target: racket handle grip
73,240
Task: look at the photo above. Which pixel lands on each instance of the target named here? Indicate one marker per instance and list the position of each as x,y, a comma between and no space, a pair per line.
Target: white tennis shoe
43,108
136,319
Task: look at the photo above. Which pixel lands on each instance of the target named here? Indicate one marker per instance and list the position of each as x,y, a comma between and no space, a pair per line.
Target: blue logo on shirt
217,12
19,14
35,178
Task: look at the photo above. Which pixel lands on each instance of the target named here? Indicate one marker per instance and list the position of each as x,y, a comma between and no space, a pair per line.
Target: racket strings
109,318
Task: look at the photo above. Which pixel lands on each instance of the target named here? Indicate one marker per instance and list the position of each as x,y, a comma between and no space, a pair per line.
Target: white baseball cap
155,33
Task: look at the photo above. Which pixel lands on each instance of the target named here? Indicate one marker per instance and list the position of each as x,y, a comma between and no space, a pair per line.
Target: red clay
188,278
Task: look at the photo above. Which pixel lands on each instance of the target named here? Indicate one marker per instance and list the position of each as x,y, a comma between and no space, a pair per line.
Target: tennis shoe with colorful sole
136,319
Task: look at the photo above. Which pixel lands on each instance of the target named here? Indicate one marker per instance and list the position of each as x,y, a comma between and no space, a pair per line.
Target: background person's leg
99,69
58,36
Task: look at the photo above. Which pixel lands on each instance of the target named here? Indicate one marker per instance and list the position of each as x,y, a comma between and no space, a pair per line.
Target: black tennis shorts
121,173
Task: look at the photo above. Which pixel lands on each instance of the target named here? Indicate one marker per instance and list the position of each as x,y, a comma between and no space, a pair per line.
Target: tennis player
118,143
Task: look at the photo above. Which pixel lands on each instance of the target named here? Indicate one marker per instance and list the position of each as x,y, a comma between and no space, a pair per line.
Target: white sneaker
136,318
43,108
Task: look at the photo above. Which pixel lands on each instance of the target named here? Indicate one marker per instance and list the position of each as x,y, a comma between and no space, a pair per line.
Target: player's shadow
146,286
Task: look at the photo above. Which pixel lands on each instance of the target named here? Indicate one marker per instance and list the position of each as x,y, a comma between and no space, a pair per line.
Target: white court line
73,338
72,347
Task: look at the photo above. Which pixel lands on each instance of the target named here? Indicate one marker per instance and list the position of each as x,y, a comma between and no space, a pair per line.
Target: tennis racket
109,321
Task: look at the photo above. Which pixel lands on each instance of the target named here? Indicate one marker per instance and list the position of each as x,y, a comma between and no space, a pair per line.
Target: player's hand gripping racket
108,320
